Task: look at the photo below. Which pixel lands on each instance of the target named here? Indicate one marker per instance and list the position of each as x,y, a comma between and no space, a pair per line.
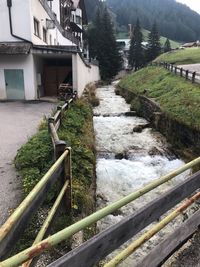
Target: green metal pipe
4,230
146,236
72,229
48,220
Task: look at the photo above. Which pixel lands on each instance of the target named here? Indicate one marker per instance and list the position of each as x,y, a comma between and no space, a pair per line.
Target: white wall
20,20
19,62
38,71
56,8
23,12
82,75
41,15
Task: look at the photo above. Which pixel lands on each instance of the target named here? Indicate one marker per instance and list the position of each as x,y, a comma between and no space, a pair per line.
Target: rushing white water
144,157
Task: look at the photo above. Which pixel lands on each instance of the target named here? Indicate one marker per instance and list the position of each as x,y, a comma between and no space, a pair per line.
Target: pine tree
167,46
136,53
105,47
154,46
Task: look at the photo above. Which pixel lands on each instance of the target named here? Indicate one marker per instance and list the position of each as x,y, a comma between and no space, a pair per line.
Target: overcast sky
193,4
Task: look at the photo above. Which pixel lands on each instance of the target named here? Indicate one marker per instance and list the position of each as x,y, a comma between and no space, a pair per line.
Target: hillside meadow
181,56
178,98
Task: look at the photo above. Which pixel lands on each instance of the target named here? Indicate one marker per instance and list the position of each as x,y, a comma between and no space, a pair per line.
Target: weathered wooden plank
14,235
57,116
53,132
95,249
173,242
57,125
65,106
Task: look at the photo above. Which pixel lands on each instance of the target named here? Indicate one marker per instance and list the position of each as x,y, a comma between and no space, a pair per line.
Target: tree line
175,21
140,55
103,45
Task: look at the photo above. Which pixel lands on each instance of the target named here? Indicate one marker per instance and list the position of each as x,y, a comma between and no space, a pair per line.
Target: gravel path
191,67
18,122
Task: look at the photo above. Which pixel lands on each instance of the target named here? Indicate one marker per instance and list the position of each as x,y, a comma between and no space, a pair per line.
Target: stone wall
178,134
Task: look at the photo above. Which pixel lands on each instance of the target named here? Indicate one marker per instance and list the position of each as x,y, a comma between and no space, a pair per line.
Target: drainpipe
9,5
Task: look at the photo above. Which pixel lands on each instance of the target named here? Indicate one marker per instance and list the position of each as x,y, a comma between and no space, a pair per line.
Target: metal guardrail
122,231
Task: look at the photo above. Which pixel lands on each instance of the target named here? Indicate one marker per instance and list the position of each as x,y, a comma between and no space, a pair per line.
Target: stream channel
127,160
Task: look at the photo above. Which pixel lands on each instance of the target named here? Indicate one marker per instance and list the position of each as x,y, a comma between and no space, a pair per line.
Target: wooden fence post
186,74
175,69
193,76
181,72
172,67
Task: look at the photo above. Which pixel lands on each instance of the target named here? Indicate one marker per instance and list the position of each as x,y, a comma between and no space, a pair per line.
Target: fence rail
110,239
192,76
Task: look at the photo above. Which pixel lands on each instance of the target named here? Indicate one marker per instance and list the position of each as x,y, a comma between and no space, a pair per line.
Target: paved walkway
191,67
18,122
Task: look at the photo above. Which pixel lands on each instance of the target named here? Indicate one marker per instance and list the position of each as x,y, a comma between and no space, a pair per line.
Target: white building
41,46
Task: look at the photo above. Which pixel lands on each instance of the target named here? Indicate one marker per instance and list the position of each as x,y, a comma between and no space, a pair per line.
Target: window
44,35
50,39
36,27
78,20
55,42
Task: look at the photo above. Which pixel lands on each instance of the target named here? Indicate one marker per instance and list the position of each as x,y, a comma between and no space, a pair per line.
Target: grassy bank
178,98
182,56
35,158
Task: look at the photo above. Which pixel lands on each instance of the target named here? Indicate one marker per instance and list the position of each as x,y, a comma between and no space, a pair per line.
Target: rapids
127,160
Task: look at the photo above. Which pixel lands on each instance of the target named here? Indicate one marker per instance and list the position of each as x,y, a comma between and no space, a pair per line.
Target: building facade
41,46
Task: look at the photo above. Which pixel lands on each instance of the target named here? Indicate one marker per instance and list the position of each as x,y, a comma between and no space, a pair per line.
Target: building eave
15,48
55,49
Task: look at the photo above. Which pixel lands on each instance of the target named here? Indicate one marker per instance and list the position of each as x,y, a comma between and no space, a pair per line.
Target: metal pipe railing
4,230
49,219
146,236
93,218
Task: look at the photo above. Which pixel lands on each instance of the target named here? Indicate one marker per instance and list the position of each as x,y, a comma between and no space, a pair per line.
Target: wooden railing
193,76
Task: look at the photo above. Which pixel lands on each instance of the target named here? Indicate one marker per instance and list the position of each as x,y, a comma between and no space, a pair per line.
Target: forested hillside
91,6
175,21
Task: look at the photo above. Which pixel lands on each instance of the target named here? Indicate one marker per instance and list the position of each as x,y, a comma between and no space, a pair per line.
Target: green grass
174,44
178,98
36,156
182,56
124,35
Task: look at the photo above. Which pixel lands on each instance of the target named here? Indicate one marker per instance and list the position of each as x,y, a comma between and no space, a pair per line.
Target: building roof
189,44
15,48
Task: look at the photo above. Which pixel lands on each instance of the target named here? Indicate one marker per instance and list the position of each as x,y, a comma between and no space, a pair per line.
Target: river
127,159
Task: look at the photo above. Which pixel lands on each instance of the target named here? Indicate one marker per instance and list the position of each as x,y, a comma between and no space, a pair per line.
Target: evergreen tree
154,46
103,44
136,53
167,46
